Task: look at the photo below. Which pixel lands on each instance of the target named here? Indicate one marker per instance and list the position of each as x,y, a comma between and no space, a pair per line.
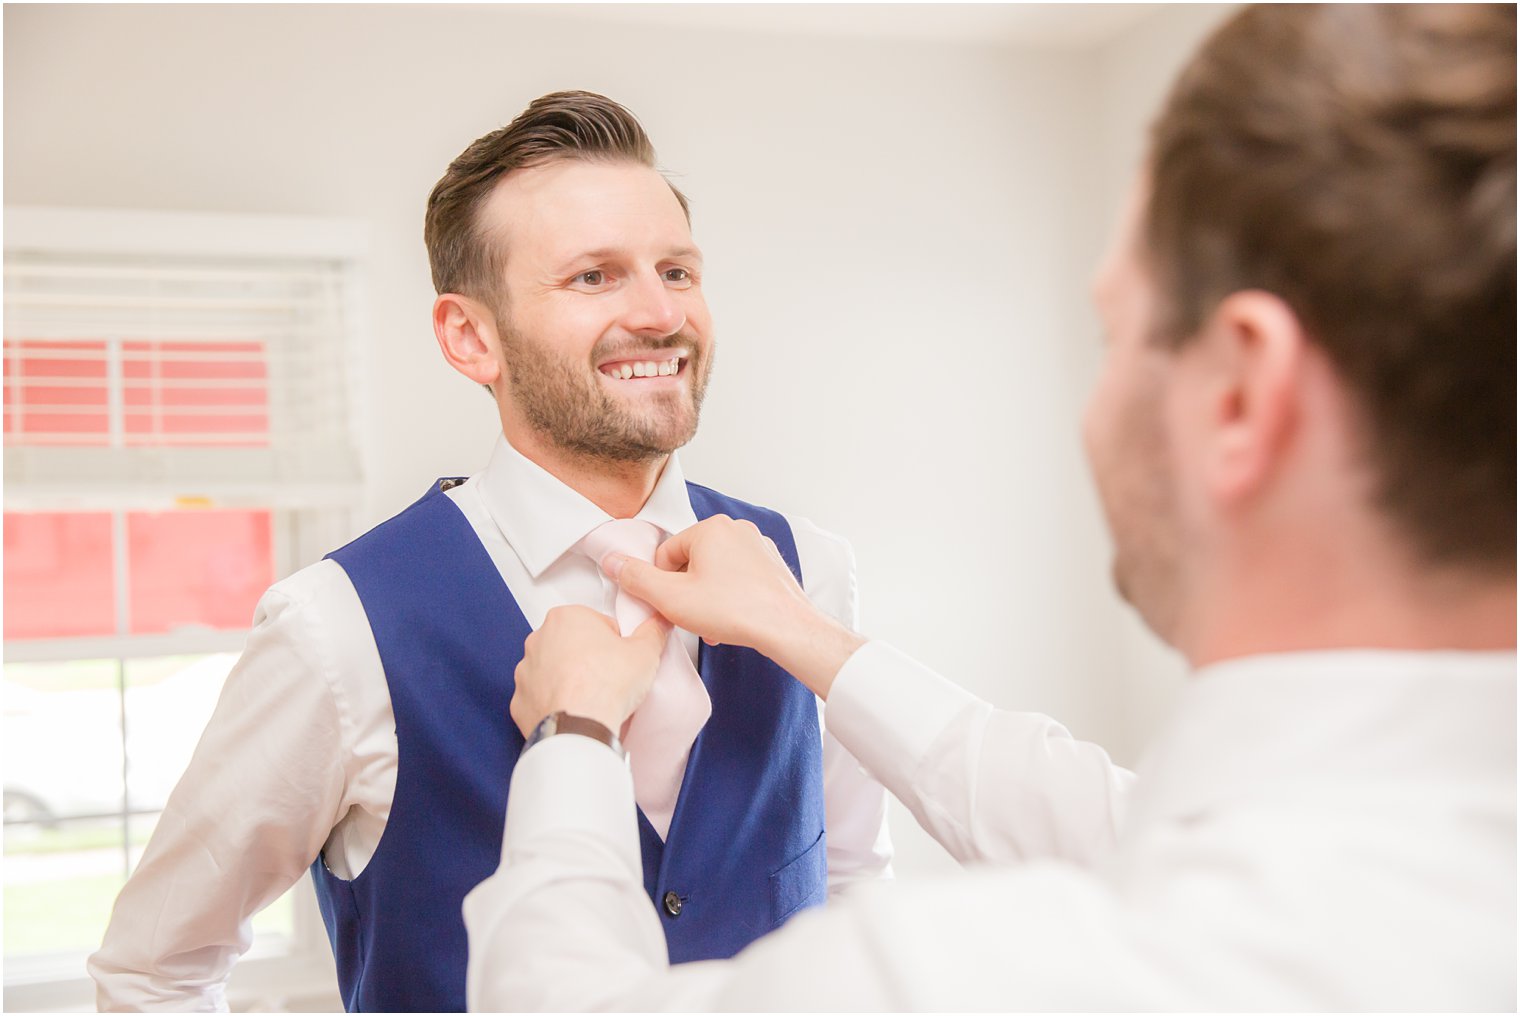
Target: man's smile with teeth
642,368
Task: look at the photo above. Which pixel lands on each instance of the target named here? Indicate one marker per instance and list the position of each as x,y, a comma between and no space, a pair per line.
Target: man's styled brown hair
1359,163
465,258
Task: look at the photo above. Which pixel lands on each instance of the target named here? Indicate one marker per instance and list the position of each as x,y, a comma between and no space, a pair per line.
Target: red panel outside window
183,567
58,575
195,393
56,392
197,567
172,393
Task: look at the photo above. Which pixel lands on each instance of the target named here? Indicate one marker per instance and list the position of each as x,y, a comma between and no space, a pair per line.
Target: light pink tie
660,735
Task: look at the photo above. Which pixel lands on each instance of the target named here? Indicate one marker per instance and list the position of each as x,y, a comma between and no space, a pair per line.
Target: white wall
898,237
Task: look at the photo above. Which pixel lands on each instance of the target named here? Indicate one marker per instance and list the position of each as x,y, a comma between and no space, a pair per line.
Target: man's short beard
1144,521
563,402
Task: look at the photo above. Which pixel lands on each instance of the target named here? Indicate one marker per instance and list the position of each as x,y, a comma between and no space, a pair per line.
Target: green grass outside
70,915
95,675
75,675
74,836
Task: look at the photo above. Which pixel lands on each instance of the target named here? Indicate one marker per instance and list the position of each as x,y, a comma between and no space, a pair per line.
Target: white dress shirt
1321,831
300,755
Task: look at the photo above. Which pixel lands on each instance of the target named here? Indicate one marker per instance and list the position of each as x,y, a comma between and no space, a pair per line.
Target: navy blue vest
746,842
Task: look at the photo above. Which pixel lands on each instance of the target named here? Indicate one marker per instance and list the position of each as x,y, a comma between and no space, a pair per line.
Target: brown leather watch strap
565,723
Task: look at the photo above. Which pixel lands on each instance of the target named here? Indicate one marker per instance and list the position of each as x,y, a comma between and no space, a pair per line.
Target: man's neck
618,488
1395,608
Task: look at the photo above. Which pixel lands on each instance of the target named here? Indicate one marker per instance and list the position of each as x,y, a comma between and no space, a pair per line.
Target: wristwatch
564,723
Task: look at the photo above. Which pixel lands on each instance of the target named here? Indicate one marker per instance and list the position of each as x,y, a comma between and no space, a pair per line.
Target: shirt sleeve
988,784
564,925
855,803
263,789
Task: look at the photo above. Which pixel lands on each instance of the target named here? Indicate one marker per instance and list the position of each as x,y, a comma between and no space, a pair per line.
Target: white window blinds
155,375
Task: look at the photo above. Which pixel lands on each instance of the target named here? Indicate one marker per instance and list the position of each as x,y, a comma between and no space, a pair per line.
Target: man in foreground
1304,440
365,732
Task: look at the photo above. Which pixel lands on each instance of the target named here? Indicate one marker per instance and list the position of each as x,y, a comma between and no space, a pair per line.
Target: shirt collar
541,517
1285,722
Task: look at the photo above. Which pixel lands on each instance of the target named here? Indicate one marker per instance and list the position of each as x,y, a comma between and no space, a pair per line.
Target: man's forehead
569,256
568,207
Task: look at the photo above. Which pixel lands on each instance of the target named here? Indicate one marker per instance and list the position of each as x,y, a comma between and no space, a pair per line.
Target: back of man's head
1359,162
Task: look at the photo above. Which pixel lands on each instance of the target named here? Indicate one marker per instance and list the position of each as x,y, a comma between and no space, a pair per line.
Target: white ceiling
1058,26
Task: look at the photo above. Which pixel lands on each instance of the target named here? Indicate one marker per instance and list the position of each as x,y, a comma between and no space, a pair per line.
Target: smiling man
366,734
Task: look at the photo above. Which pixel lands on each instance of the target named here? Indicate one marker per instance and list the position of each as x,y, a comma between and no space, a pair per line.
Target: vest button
673,904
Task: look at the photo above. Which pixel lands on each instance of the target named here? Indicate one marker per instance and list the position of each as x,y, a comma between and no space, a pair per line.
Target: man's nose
652,307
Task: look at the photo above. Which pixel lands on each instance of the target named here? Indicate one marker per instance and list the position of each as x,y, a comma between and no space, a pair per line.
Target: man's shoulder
707,501
804,528
826,559
708,497
312,587
327,583
423,513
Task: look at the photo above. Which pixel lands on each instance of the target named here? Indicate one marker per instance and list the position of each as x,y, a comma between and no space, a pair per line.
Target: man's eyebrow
612,253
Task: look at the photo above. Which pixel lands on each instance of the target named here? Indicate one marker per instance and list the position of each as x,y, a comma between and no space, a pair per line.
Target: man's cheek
1095,418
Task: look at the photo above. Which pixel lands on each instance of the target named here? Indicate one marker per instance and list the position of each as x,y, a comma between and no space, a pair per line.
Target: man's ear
466,333
1255,348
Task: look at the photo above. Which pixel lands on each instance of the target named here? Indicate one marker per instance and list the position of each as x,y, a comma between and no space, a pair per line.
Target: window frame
306,523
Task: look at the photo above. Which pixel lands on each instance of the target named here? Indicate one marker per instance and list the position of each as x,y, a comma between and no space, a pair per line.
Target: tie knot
631,537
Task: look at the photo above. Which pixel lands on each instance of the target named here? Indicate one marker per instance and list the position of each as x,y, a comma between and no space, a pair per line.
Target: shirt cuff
888,709
573,784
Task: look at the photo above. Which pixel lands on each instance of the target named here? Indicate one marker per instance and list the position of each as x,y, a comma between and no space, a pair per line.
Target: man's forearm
565,922
140,967
565,919
245,821
987,784
811,646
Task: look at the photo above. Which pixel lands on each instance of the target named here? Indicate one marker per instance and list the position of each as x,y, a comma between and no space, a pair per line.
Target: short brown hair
1359,163
560,125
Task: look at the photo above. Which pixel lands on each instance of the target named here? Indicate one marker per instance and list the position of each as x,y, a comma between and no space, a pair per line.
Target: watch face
546,726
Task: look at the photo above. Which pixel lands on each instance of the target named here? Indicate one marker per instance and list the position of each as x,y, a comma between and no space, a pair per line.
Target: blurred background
219,363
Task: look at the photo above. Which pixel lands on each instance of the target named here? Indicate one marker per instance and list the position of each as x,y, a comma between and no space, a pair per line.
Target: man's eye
593,278
677,275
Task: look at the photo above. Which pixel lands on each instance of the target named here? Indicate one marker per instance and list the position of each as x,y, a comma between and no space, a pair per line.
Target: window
136,393
177,432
